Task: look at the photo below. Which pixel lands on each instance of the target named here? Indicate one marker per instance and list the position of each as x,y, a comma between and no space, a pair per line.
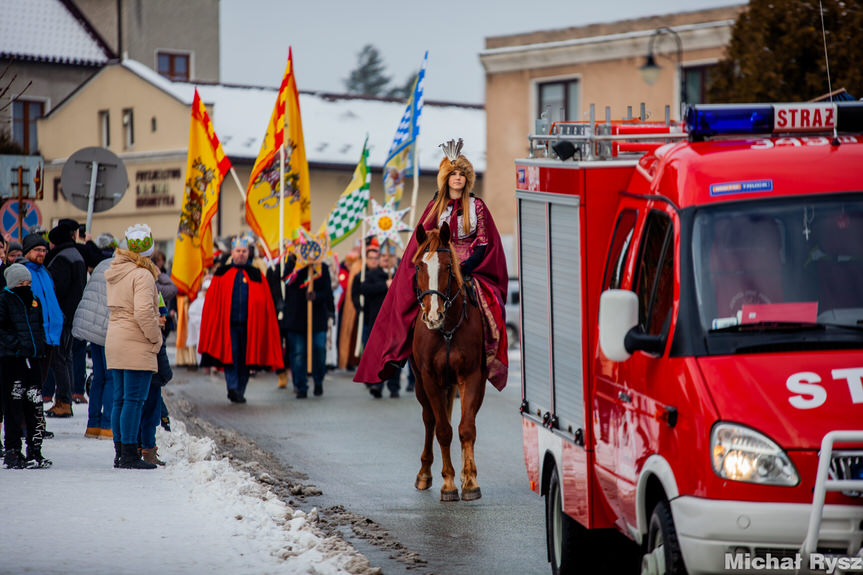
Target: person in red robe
478,246
239,330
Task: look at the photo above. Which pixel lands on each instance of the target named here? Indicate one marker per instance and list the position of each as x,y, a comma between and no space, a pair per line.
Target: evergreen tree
404,91
777,52
368,78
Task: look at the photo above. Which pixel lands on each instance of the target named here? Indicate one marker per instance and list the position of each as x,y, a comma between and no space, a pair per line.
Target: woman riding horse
478,247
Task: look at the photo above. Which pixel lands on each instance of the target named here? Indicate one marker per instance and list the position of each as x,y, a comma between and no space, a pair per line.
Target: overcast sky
327,35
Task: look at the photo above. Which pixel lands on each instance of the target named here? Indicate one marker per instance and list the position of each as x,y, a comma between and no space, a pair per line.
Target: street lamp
650,70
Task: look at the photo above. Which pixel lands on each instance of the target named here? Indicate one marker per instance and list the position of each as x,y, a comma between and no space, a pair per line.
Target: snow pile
269,524
197,514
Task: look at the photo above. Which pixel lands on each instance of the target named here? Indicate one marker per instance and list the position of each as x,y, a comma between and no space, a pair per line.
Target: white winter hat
139,239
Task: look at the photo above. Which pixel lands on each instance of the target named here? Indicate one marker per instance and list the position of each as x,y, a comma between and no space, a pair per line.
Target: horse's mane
431,244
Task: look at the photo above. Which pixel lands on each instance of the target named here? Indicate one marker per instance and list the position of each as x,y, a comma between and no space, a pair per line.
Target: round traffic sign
111,179
9,217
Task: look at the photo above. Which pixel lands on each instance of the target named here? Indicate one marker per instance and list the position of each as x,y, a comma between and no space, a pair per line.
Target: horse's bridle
447,302
447,299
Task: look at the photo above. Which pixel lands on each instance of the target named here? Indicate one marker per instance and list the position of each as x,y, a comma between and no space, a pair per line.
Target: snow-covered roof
334,126
48,31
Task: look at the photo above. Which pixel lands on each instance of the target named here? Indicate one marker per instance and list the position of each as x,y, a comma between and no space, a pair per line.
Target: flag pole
359,345
416,188
243,195
310,280
282,218
239,186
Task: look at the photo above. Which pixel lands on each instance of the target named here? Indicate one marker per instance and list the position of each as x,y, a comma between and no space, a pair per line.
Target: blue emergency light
708,120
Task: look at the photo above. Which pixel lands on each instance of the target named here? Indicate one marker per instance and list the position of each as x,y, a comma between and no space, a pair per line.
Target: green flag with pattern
351,207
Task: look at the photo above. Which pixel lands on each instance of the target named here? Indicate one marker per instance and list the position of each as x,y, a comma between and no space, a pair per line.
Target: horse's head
438,277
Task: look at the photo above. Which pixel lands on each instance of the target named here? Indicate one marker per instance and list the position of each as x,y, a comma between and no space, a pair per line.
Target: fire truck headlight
743,454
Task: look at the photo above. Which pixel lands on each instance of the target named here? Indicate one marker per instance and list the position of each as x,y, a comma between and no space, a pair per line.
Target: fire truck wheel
561,531
662,555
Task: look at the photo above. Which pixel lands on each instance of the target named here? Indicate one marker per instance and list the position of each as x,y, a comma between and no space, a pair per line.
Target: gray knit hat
15,274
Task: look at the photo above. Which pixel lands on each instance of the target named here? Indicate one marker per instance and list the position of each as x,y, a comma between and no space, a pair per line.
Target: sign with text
153,187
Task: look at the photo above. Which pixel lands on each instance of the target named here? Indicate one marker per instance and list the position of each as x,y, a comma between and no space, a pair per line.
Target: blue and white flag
399,158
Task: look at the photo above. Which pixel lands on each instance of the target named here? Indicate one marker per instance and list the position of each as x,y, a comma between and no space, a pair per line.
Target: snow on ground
195,515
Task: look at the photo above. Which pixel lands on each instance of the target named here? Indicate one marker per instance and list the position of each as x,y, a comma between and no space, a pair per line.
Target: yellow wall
511,111
156,164
605,60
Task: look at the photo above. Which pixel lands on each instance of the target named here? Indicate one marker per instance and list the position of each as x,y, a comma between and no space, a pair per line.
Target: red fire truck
692,337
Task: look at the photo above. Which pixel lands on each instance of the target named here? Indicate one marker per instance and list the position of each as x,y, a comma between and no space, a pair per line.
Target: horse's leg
472,394
424,477
442,403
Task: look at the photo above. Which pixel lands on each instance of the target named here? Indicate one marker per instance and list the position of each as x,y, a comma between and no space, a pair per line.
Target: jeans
79,366
298,354
101,390
237,375
130,391
151,415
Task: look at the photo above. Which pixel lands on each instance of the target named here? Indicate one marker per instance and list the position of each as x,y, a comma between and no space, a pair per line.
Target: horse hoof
423,484
449,495
471,494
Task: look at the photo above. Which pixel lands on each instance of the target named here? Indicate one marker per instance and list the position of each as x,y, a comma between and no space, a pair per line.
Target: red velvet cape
263,343
390,340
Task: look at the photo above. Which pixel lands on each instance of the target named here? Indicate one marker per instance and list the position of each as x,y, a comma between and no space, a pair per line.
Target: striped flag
206,167
401,150
351,206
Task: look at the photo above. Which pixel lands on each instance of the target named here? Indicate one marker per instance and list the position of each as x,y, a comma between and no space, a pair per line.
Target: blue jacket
43,288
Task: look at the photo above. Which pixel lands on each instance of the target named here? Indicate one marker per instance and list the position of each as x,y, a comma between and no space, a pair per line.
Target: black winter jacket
165,373
295,305
21,332
69,272
373,290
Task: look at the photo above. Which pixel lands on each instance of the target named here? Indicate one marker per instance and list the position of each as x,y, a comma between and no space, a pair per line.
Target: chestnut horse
447,356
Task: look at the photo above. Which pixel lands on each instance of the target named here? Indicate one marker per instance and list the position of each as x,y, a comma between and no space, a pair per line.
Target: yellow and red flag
206,167
263,194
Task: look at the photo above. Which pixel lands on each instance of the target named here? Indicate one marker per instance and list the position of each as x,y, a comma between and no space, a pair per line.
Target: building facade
562,72
50,47
179,40
144,119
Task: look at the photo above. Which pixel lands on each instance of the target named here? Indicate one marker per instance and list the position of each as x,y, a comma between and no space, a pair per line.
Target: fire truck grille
777,552
847,465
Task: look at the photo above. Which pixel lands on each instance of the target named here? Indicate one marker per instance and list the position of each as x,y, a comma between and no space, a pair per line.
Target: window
24,116
173,66
560,99
619,252
697,79
128,128
655,287
104,128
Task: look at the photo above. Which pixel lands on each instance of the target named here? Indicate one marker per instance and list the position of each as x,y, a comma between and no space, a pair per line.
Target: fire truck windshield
775,264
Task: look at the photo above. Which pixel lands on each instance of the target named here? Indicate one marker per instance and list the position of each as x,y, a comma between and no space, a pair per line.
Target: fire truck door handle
624,397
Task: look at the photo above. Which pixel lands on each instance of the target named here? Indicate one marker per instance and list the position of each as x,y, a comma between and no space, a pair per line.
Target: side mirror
618,314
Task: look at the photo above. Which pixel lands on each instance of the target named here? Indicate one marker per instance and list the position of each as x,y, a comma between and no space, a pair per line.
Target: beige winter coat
134,337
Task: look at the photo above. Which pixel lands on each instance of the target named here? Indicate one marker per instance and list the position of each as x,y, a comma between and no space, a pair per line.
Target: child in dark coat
22,344
152,411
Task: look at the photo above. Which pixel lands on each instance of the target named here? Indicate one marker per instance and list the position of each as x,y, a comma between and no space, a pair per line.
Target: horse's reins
447,302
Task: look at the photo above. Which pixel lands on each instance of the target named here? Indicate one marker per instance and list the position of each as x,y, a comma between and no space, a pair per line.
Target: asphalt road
363,453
